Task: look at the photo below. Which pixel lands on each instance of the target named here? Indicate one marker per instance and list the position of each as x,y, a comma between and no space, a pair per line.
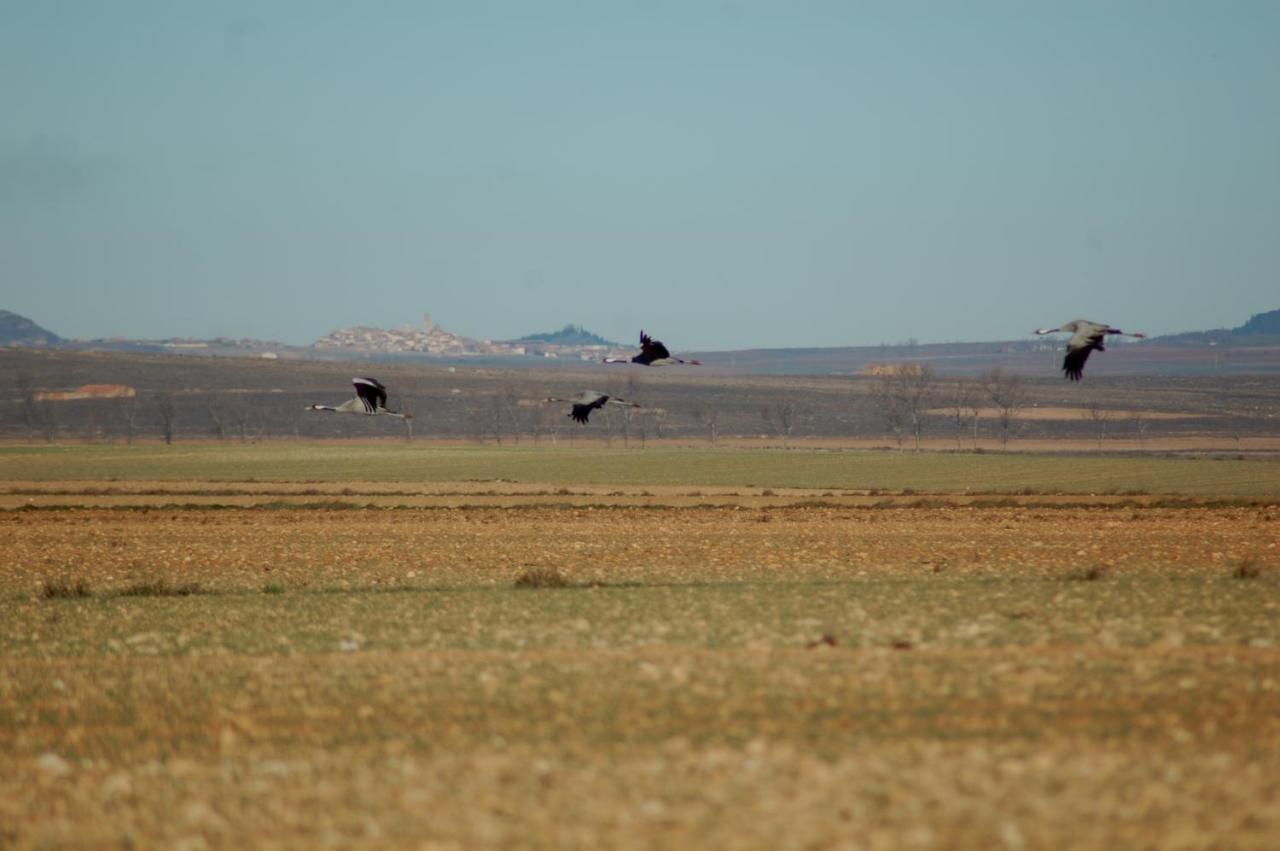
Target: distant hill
21,331
1262,329
1261,323
569,335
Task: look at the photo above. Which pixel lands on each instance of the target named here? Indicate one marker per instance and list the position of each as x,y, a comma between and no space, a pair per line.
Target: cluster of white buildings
431,339
434,341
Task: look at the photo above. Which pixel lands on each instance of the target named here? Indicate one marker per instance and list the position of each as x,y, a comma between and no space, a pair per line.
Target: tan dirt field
722,670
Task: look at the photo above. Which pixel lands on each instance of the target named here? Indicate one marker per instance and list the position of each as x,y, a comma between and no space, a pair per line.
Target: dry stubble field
189,660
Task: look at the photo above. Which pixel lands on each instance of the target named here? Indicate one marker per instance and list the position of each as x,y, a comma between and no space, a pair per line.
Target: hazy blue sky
725,175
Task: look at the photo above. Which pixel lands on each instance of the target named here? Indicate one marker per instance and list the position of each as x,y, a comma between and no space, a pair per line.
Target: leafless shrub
541,577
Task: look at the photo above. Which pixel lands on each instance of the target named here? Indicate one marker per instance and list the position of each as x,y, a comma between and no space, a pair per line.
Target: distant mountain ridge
1261,332
19,330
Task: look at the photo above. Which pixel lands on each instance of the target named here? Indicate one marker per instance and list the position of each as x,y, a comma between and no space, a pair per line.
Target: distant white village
431,339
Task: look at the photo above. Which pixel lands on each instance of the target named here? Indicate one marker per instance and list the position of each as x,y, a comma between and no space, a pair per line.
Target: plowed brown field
718,669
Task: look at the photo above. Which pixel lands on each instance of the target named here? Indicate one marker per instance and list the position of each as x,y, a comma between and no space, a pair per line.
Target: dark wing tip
1073,363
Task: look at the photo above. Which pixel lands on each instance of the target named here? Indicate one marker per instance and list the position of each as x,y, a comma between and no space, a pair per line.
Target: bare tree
248,418
1099,416
38,414
28,393
974,407
533,416
781,416
167,407
547,421
901,395
619,388
218,417
498,415
101,423
608,430
642,425
1141,422
295,415
650,417
634,390
406,397
1008,392
708,415
511,413
964,403
490,419
129,409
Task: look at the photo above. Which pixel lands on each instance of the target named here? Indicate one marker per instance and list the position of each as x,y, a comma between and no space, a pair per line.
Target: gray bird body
370,401
1086,337
589,400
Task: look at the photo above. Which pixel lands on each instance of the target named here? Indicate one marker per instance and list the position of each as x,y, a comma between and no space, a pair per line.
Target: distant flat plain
370,645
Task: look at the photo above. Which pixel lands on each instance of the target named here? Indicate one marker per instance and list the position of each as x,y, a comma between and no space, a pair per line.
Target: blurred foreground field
673,659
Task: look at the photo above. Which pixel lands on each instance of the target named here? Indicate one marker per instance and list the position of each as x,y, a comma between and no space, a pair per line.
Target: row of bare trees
905,394
42,417
907,398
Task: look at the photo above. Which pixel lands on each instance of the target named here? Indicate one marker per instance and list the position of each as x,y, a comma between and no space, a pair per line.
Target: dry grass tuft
541,577
161,588
1247,568
64,588
1092,573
